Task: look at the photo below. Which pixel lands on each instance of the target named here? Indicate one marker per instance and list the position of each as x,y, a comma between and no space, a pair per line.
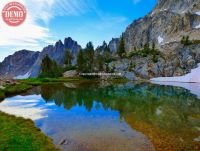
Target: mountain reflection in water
99,117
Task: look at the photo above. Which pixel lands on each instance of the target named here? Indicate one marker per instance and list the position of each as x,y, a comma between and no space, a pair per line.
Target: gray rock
113,45
56,53
70,74
130,76
18,64
170,20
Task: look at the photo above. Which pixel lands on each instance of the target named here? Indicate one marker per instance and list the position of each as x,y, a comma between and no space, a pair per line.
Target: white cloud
31,34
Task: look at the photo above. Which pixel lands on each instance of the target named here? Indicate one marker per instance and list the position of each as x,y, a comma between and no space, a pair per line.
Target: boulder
70,74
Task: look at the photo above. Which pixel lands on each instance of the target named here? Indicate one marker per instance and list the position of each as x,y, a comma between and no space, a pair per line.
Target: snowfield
193,77
26,76
189,81
197,27
198,13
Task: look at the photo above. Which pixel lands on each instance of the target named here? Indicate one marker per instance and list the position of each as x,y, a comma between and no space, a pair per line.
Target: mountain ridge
165,26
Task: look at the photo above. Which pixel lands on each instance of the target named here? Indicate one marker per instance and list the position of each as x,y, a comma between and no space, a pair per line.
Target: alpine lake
104,116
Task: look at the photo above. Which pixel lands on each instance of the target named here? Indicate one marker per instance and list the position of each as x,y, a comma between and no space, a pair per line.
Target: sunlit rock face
168,22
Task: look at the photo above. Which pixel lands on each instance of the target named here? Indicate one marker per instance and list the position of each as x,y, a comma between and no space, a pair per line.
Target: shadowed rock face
18,64
113,44
168,22
56,53
24,61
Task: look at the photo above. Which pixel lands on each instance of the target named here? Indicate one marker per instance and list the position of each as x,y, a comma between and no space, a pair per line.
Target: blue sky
83,20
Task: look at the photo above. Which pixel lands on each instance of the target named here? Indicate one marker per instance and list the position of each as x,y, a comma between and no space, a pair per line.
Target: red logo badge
14,14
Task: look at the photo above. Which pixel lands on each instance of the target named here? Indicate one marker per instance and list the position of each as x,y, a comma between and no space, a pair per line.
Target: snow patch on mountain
160,39
25,76
197,27
198,13
192,77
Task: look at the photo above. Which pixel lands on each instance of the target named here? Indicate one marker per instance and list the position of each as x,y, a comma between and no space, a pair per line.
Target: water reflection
99,117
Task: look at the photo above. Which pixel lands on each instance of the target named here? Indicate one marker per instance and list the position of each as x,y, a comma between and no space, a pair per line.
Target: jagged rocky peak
69,42
18,64
59,44
56,53
167,23
113,44
73,46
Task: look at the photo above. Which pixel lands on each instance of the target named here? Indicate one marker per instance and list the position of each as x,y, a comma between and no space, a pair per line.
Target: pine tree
187,41
100,62
68,58
46,64
146,49
183,40
49,68
121,48
89,56
153,47
107,53
80,61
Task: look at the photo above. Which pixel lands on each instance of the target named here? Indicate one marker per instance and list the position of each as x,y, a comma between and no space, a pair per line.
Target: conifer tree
80,61
49,68
107,53
121,48
89,57
68,58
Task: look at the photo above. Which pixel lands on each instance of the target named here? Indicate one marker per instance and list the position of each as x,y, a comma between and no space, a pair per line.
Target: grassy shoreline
21,135
17,133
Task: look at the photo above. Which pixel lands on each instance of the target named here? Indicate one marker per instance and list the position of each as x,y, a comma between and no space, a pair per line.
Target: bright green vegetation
40,81
147,51
13,89
18,134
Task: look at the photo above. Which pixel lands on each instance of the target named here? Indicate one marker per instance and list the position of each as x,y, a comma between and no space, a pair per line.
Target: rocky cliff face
176,62
113,44
27,63
56,53
18,64
168,22
165,26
